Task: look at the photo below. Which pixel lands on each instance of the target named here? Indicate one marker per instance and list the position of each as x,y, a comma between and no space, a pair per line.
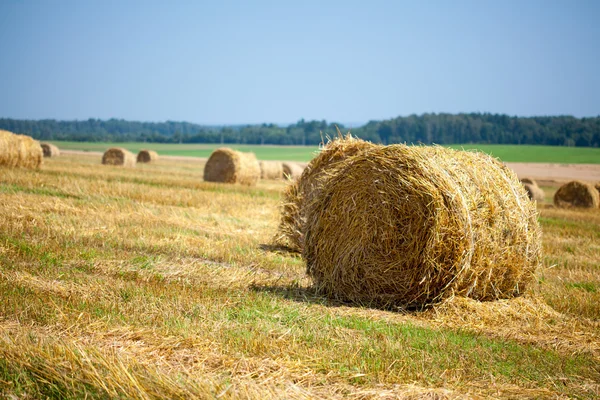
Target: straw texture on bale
298,192
271,170
408,226
118,156
230,166
292,170
530,181
534,192
50,150
146,156
597,186
19,151
577,194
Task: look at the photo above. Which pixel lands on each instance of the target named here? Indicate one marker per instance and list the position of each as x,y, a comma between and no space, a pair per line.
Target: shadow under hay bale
271,170
19,151
292,170
298,192
534,192
530,181
50,150
230,166
146,156
410,226
576,194
118,156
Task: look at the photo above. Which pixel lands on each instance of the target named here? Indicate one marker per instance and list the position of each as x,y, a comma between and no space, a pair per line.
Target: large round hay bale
298,192
530,181
146,156
118,156
292,170
230,166
19,151
409,226
50,150
271,170
534,192
576,194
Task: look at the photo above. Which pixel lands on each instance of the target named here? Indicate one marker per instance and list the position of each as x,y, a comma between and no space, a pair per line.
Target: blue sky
230,62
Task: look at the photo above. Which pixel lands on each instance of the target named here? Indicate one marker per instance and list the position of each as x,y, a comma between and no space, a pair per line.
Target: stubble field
150,283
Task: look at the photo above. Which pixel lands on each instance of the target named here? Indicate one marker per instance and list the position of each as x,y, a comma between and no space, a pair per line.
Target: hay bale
409,226
230,166
118,156
292,170
50,150
534,192
19,151
576,194
271,170
530,181
298,192
146,156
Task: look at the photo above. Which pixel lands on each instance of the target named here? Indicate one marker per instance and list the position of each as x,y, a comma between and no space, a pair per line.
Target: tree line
426,128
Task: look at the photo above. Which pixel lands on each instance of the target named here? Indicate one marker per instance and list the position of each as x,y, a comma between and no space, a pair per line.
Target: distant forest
426,128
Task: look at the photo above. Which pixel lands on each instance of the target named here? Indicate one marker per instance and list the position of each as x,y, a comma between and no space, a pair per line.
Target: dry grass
231,166
150,283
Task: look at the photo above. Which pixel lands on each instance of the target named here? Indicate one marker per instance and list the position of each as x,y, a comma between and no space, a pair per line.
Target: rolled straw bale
146,156
534,192
50,150
19,151
292,170
410,226
577,194
298,192
530,181
118,156
597,186
271,170
230,166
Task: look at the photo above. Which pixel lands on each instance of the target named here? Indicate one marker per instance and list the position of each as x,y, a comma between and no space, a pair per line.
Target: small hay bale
271,170
534,192
146,156
50,150
19,151
298,192
230,166
576,194
118,156
292,170
530,181
404,226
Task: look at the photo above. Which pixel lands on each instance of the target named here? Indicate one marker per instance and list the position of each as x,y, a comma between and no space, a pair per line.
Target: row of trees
426,128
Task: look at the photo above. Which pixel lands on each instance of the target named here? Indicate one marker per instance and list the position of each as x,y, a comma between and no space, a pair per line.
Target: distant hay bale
118,156
292,170
271,170
50,150
534,192
146,156
230,166
408,226
298,192
577,194
530,181
19,151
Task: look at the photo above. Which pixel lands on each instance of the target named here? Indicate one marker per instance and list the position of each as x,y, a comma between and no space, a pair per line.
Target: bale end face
50,150
146,156
118,156
576,194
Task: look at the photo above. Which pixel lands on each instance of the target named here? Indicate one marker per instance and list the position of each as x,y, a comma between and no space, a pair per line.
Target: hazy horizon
235,63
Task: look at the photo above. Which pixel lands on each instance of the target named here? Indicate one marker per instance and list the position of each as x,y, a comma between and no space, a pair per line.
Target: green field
508,153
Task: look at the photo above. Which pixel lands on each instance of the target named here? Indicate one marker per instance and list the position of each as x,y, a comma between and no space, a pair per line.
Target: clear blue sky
230,62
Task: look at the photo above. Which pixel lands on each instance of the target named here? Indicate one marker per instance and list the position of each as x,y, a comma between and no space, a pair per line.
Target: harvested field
148,282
